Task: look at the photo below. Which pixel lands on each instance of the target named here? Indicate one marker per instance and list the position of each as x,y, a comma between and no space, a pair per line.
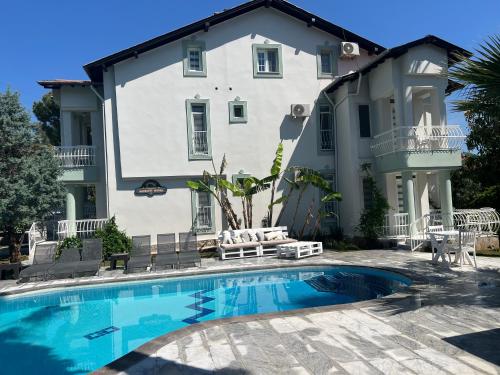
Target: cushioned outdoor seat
244,245
277,242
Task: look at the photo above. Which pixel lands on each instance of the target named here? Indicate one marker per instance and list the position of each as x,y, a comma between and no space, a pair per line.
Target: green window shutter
364,121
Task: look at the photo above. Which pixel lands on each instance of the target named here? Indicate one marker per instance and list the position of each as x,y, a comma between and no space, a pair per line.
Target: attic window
194,60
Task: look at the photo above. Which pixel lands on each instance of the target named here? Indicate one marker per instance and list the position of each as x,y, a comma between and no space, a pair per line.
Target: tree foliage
480,76
47,112
29,171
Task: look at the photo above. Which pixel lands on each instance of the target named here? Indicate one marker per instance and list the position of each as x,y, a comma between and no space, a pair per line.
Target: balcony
78,163
200,142
414,147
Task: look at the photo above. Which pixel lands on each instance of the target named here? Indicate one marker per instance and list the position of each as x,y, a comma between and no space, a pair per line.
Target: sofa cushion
277,235
245,236
277,242
260,235
236,238
253,235
226,237
234,246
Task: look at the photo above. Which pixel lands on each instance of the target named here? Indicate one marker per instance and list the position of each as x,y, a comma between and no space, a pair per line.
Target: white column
70,209
409,197
446,198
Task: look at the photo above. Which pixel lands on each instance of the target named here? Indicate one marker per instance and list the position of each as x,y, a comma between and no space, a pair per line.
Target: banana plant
273,178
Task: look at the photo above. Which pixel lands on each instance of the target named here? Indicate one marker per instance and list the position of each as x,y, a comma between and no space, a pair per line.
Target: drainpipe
103,108
335,106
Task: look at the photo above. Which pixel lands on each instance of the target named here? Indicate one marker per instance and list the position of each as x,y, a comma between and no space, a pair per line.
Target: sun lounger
166,251
91,256
140,257
66,265
43,259
188,254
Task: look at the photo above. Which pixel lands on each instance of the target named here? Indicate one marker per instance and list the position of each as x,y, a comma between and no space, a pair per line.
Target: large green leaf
276,168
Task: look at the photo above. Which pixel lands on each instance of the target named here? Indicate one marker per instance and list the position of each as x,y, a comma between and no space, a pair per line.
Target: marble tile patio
447,323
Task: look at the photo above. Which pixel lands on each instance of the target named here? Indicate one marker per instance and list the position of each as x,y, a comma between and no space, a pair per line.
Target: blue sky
54,39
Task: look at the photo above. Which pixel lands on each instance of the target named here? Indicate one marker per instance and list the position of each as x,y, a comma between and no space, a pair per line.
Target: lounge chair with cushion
42,261
166,253
66,265
91,256
188,254
140,256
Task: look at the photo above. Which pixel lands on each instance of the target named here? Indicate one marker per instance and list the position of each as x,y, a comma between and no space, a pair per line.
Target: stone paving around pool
448,323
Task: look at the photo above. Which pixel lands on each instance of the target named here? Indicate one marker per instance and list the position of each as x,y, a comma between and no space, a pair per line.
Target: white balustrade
395,226
204,218
418,138
79,228
200,142
76,156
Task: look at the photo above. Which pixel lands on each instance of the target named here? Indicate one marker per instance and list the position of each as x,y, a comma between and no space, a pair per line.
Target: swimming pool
77,330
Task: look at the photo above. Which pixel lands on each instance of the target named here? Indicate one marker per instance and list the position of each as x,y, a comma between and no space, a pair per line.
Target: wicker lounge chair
91,256
42,261
66,265
166,251
189,254
140,257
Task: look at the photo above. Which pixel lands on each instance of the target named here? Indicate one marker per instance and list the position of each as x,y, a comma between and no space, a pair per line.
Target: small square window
237,112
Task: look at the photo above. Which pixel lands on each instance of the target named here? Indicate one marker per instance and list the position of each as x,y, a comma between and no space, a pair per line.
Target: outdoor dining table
441,239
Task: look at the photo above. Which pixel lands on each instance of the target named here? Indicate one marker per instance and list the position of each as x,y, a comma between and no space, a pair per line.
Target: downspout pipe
335,106
103,108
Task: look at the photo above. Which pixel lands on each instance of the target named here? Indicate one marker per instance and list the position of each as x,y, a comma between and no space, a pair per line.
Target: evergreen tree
47,112
29,185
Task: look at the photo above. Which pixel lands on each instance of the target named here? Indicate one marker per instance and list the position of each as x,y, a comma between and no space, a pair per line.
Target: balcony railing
200,142
418,138
395,226
79,228
326,139
204,218
76,156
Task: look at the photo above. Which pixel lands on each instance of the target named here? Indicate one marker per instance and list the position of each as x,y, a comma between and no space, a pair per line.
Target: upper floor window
267,60
198,121
326,61
364,121
194,60
325,119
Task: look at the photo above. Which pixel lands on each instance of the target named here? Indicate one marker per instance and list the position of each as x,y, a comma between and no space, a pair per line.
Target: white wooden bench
251,249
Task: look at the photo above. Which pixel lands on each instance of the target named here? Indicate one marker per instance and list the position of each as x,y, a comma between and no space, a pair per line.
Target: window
237,112
330,208
194,60
367,193
202,208
326,61
325,119
198,121
364,121
267,60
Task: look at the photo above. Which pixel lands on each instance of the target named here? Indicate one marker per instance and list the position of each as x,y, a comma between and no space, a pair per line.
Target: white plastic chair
467,246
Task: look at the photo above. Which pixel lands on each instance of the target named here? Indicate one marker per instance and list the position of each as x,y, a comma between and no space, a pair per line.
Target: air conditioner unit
349,50
300,110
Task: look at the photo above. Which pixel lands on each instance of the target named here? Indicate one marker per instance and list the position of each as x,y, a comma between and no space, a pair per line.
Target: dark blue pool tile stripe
202,311
102,332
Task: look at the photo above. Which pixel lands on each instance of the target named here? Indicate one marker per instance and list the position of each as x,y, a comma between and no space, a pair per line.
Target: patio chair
66,265
140,257
43,259
166,252
188,254
91,256
467,246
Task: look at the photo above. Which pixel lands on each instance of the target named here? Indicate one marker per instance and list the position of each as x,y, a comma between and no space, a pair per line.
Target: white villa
236,84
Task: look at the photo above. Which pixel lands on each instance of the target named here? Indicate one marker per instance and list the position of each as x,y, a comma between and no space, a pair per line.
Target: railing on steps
79,228
395,226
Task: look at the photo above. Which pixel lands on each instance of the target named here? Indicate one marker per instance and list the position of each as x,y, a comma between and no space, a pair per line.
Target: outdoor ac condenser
300,110
349,50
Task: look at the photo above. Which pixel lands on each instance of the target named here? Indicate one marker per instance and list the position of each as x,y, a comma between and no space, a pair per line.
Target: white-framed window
195,63
327,61
267,61
203,211
326,132
198,122
194,58
238,112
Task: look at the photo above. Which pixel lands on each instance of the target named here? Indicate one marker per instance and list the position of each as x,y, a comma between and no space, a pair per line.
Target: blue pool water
77,330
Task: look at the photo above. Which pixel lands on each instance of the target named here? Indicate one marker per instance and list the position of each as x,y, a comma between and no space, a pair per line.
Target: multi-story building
163,111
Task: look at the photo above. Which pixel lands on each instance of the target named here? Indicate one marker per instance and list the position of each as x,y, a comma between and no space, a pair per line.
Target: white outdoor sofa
246,249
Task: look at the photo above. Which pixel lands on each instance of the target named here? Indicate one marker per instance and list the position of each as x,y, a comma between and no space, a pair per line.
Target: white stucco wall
146,118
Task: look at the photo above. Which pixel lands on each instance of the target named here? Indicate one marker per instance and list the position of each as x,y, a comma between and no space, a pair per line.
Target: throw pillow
271,236
236,238
226,237
253,235
260,235
245,236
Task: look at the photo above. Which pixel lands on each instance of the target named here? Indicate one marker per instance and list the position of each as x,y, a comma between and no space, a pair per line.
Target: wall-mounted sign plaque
150,188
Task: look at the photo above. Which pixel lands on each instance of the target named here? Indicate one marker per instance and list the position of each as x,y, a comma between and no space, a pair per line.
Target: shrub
113,239
67,243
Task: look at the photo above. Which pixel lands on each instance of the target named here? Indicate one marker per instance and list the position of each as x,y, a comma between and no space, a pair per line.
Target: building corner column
445,198
409,198
70,210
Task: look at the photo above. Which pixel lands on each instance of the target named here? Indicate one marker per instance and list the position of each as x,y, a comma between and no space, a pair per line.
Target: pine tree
47,112
29,184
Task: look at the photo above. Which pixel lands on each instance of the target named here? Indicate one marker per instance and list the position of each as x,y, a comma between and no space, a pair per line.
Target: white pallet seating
300,249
